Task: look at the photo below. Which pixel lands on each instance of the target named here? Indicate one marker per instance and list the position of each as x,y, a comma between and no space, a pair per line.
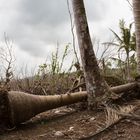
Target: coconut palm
136,11
95,83
126,41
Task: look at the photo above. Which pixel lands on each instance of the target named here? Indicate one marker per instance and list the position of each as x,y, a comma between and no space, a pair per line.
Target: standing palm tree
136,11
96,86
126,42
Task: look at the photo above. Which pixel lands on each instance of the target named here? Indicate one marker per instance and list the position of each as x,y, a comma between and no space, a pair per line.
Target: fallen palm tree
17,107
116,89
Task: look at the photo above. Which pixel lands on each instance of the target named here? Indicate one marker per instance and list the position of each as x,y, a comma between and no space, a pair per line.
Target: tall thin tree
97,88
136,11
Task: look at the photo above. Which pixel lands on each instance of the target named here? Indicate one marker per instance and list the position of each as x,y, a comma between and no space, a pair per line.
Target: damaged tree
97,88
17,107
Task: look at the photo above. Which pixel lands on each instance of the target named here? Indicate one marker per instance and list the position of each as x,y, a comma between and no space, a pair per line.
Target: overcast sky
35,26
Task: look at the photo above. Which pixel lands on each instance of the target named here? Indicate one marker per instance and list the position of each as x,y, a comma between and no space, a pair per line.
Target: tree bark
136,11
97,88
17,107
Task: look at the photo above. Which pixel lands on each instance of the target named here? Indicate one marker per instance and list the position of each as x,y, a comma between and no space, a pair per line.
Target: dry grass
114,114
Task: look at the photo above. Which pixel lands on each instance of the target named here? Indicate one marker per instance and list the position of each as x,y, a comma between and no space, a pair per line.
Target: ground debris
73,126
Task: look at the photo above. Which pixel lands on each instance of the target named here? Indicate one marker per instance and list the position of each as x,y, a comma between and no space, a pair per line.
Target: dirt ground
68,124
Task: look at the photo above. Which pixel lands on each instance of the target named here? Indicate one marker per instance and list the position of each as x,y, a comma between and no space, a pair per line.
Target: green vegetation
125,62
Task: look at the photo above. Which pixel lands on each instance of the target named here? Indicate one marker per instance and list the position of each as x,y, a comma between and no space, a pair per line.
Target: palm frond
116,36
110,44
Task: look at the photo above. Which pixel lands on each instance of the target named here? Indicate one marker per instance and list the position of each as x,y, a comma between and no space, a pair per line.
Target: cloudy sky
35,26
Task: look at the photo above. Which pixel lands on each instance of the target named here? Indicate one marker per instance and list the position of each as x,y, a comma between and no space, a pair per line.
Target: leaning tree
98,90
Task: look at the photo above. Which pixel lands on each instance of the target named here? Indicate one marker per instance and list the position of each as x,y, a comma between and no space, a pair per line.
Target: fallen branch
116,89
124,88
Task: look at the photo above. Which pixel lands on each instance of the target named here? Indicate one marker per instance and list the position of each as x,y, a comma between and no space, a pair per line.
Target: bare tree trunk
96,86
136,11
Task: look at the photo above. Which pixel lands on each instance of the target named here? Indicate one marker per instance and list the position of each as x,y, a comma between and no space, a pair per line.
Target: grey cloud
38,24
96,9
52,12
43,22
34,48
35,39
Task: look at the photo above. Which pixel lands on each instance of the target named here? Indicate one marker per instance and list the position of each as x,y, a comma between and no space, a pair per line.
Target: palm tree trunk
136,11
95,83
128,68
17,107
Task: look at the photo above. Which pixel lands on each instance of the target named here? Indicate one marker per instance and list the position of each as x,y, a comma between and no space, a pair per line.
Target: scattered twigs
131,116
77,87
114,116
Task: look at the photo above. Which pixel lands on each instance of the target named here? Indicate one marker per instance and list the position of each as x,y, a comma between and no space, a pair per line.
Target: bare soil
68,124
